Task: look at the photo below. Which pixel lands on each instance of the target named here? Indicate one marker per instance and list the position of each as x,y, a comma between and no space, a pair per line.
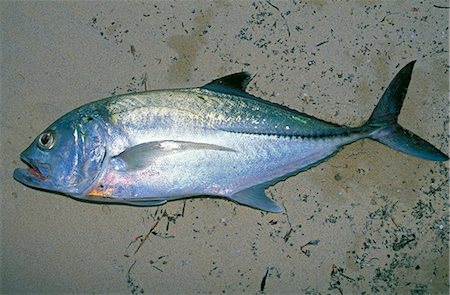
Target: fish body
217,140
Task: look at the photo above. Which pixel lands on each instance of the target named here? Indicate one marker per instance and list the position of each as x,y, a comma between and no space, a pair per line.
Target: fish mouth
33,175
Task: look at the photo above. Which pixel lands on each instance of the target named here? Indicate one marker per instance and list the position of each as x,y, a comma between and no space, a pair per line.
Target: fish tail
386,128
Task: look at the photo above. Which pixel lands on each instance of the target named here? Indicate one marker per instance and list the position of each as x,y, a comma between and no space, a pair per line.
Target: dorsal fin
231,84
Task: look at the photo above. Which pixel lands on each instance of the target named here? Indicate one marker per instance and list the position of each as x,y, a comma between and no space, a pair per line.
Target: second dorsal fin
231,84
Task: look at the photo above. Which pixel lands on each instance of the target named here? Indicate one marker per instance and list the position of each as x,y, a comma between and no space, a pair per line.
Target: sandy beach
368,221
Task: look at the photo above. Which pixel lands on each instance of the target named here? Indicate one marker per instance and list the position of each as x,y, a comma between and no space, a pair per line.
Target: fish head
66,157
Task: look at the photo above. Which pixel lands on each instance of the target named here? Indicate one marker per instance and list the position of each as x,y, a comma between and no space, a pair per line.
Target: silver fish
216,140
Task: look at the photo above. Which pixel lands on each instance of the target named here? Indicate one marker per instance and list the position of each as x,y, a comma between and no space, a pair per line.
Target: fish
217,140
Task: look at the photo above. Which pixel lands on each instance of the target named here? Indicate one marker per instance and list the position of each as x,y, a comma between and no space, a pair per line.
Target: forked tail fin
389,132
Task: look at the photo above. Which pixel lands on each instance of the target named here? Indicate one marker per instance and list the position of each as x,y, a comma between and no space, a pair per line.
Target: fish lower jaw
29,174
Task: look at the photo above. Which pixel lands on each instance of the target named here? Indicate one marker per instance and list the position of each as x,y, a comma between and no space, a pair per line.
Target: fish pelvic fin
384,121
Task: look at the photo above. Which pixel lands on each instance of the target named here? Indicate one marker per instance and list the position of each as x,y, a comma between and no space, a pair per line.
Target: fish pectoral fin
142,155
256,197
143,202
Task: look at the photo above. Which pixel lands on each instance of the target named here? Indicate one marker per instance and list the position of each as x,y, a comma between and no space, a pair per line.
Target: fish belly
247,160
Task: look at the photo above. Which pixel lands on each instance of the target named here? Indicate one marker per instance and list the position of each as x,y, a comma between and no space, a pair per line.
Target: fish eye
46,141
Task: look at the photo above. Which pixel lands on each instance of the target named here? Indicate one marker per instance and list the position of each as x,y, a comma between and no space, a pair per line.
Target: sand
370,220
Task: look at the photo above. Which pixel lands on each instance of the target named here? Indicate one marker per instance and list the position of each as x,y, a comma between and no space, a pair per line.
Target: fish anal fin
255,197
